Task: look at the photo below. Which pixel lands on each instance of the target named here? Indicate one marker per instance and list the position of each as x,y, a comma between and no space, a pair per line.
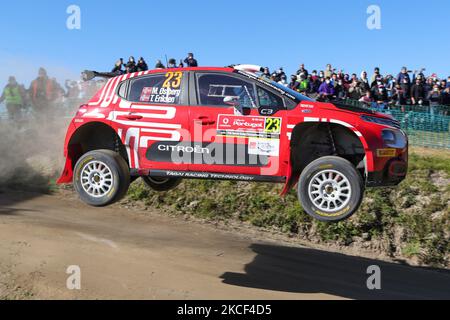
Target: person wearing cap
14,97
190,61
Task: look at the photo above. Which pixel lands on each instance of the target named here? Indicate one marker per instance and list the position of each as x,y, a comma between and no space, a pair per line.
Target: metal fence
426,126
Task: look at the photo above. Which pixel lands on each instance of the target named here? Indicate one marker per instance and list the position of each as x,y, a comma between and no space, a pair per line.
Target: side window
269,99
213,88
122,89
161,88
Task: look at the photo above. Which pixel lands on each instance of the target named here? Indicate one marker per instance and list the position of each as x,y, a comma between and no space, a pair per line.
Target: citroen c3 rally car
229,124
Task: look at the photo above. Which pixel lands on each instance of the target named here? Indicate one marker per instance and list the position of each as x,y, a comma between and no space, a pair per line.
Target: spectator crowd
378,90
45,96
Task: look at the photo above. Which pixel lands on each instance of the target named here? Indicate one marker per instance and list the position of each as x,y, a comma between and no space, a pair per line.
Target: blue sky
219,32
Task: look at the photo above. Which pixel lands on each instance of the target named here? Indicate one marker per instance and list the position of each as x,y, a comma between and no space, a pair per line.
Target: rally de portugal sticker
249,127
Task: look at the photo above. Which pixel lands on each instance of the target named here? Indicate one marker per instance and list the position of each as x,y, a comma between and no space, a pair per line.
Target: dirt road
140,255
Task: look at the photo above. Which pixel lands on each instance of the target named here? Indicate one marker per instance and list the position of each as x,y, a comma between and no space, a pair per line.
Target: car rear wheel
101,177
330,189
161,184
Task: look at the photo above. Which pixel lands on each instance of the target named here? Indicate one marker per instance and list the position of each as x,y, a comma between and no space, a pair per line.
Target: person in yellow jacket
14,97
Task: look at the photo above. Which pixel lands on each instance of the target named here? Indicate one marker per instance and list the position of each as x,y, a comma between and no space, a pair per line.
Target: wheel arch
88,137
313,139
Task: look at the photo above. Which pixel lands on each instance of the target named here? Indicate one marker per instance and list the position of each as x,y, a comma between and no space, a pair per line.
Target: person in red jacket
43,93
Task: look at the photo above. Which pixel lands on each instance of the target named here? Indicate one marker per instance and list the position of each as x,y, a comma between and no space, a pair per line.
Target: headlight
382,121
394,138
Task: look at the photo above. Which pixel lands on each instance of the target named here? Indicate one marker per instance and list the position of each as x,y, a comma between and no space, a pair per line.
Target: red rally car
229,124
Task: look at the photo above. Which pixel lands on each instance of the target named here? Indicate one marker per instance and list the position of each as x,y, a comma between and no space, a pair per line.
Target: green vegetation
410,222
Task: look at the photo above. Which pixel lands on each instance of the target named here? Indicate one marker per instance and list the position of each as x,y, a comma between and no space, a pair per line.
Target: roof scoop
252,68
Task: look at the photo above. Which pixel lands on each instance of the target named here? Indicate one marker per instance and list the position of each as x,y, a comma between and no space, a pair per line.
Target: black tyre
101,177
161,184
330,189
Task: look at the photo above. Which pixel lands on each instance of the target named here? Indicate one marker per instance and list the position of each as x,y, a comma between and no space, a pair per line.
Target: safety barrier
426,126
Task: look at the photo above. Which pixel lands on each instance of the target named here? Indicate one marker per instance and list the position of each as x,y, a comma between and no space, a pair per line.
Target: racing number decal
173,80
273,125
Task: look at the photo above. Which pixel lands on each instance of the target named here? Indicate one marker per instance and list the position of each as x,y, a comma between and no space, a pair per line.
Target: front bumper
393,173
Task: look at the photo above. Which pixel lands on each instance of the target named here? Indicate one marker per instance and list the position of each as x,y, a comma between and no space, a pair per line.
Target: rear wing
88,75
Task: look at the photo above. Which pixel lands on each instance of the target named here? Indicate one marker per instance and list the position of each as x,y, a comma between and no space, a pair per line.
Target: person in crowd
14,96
405,82
266,73
377,82
434,97
445,100
322,76
283,80
280,72
314,84
293,84
190,61
417,92
118,67
376,74
428,87
390,84
275,76
339,89
303,83
141,65
159,65
326,89
302,70
334,78
367,98
355,90
380,97
328,71
72,89
172,64
44,93
364,81
397,97
131,66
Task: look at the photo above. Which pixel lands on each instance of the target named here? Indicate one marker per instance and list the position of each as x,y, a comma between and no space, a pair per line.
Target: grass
411,221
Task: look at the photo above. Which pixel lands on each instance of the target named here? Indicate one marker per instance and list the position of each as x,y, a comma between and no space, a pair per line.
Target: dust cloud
31,149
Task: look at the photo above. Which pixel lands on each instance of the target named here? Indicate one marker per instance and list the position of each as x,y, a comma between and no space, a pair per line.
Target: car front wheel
330,189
